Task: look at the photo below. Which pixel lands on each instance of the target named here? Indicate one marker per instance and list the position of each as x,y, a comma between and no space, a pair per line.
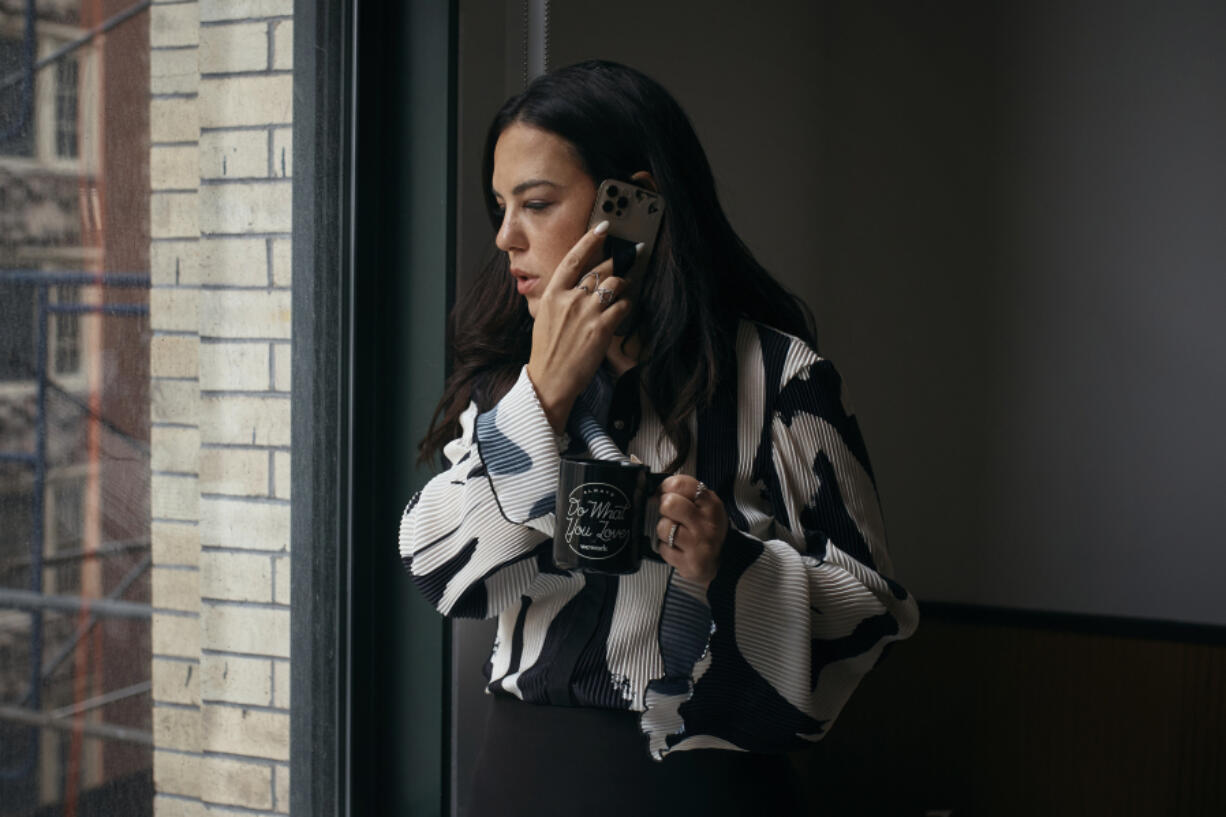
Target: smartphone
634,215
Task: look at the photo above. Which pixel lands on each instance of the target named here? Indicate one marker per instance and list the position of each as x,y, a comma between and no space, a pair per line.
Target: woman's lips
524,283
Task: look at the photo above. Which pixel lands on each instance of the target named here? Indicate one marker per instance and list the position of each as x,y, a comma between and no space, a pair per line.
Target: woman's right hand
574,326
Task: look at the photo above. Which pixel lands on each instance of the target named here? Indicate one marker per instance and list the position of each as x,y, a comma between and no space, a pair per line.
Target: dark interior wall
1108,382
1023,209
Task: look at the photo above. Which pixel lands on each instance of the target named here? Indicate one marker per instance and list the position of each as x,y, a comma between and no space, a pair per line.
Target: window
15,504
17,317
67,333
16,100
67,73
64,546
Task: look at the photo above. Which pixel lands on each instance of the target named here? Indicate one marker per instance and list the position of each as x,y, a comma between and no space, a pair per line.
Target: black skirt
547,760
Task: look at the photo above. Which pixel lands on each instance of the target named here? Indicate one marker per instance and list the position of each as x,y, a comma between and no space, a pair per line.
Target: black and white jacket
804,601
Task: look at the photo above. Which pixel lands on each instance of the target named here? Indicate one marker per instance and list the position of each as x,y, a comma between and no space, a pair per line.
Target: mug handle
651,513
653,483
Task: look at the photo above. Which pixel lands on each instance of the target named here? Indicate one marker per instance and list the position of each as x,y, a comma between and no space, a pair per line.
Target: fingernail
638,248
601,228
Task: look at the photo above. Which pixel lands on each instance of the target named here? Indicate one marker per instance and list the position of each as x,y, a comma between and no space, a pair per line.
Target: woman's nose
509,237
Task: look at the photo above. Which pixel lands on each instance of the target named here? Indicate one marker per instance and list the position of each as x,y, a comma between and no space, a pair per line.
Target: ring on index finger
699,491
606,296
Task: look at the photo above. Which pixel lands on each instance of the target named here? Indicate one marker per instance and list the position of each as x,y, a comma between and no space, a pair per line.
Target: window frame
374,259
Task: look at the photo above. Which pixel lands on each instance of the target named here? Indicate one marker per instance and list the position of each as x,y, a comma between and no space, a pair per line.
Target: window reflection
75,658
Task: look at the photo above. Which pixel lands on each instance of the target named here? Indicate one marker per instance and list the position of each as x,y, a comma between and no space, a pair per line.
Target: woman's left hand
701,524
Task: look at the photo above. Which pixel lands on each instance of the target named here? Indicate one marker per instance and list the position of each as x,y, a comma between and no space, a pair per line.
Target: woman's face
546,198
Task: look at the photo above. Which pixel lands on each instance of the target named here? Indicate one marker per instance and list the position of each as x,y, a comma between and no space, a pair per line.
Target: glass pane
75,651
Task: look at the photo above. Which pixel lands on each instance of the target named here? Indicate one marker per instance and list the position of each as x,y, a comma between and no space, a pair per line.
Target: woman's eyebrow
527,185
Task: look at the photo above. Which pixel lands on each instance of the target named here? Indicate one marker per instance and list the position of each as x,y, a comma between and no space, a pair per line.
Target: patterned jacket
764,659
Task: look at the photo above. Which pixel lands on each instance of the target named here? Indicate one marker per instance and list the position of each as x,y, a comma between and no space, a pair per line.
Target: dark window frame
373,252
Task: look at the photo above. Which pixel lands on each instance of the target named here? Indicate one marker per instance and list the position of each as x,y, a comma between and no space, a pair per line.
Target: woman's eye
537,205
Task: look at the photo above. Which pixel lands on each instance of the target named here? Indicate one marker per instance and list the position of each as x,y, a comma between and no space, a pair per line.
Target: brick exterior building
220,168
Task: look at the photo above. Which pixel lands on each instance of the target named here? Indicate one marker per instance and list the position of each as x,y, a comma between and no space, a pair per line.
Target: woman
772,593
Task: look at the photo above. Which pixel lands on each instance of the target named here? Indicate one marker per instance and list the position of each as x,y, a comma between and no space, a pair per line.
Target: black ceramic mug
601,510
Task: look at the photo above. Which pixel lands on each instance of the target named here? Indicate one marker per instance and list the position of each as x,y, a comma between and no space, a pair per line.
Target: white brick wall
175,773
236,783
174,310
244,523
281,269
173,401
246,100
237,679
234,47
281,788
236,262
235,366
176,588
173,215
168,805
173,355
246,314
241,154
234,471
280,684
240,730
176,119
175,449
283,45
242,420
175,543
246,207
173,25
176,682
236,576
174,167
281,475
220,164
176,636
246,629
174,263
213,10
175,496
173,71
176,727
283,152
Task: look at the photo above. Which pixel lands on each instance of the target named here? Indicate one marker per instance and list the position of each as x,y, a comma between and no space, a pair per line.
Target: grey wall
1024,211
1010,221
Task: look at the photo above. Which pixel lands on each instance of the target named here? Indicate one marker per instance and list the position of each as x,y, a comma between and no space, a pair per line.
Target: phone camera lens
612,191
607,206
619,213
622,202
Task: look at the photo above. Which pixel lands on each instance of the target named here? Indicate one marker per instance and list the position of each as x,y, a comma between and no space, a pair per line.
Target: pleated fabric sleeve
804,601
477,537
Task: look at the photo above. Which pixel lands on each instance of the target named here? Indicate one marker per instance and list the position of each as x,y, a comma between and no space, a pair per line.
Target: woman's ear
644,179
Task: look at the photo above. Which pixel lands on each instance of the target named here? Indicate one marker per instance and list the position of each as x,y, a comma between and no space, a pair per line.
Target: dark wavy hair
701,277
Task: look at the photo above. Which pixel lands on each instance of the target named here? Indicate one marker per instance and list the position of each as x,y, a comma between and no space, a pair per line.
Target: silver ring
699,491
583,282
606,296
672,535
